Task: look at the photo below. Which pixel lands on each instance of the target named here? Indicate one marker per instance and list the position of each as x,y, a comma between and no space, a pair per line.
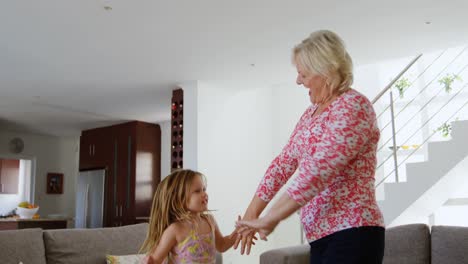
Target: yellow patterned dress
195,249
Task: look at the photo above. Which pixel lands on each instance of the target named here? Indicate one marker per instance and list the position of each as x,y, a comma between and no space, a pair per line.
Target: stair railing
394,148
430,136
421,91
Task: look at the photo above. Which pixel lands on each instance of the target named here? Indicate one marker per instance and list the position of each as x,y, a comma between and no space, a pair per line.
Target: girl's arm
223,243
165,245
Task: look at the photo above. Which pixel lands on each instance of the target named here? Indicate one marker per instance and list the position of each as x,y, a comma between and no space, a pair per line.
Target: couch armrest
289,255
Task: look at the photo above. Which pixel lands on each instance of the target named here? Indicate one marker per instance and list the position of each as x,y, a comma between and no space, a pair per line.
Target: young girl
180,229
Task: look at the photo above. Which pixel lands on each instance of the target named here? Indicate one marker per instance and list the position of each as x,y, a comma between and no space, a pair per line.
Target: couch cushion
407,244
90,246
449,244
288,255
25,245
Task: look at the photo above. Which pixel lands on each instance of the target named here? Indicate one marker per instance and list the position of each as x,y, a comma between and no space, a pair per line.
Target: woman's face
315,83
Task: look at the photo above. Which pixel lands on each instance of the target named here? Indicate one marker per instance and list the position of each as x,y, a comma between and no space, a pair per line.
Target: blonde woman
180,229
333,147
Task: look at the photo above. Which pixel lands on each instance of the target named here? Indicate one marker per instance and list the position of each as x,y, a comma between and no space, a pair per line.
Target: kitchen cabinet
131,155
94,147
9,176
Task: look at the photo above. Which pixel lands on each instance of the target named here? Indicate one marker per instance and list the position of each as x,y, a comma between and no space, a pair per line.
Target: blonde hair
324,53
169,205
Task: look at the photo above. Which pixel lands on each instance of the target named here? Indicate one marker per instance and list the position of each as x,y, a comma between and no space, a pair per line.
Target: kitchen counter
44,223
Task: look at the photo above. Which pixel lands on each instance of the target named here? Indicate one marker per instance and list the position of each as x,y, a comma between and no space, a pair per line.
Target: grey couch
71,246
407,244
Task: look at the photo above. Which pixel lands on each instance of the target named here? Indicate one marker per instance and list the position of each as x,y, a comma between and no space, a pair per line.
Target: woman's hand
245,236
264,226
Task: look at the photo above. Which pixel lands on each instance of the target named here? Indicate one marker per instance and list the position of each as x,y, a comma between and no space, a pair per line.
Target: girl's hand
264,226
245,236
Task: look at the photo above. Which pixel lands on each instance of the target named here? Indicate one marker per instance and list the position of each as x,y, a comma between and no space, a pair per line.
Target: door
126,177
116,183
9,176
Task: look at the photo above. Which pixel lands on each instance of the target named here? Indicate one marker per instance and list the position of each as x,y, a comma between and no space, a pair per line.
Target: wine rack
177,129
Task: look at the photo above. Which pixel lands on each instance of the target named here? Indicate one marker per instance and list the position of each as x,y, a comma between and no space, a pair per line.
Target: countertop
14,219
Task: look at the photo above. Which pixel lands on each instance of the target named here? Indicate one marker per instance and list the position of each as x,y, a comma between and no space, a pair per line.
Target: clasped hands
247,227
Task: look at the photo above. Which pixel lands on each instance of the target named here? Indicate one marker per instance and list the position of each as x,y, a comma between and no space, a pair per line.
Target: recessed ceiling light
427,22
108,8
252,64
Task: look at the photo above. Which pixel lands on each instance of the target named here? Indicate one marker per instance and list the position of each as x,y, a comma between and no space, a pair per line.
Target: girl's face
198,198
315,83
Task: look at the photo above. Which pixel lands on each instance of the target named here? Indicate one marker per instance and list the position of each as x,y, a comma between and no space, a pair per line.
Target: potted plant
445,129
401,85
448,80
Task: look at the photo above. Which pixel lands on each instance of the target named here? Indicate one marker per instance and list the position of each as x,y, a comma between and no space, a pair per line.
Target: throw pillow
126,259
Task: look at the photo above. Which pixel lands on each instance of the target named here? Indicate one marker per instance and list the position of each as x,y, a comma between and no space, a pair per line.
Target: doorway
17,183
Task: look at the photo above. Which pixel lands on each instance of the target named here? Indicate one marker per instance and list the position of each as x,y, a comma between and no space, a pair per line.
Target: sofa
406,244
71,246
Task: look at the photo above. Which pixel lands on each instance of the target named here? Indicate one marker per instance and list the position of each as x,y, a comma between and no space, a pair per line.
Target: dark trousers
360,245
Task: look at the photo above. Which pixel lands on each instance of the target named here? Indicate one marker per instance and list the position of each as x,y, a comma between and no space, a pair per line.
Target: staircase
428,183
409,126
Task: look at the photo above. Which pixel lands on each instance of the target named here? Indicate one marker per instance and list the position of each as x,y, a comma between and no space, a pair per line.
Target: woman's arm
165,245
281,210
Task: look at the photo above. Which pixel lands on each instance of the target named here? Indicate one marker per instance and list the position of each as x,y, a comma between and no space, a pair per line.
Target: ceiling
68,65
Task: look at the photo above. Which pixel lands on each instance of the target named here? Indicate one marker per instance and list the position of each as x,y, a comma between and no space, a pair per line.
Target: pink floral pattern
335,153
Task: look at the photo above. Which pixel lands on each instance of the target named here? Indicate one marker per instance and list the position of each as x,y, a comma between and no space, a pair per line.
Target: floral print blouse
335,153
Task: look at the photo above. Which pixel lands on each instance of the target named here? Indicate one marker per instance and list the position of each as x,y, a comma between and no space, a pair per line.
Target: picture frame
54,183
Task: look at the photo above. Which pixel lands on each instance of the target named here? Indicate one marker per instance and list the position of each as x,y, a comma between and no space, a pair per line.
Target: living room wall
238,137
51,154
165,148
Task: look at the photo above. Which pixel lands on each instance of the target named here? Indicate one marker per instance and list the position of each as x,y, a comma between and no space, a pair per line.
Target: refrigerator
89,212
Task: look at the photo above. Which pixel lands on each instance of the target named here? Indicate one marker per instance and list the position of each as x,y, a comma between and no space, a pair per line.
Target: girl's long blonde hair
169,205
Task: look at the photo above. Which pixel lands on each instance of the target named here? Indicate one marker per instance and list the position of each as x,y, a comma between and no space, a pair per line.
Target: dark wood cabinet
94,147
9,176
131,155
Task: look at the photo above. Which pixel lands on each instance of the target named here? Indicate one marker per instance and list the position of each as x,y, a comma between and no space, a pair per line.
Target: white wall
52,154
165,148
456,215
235,137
